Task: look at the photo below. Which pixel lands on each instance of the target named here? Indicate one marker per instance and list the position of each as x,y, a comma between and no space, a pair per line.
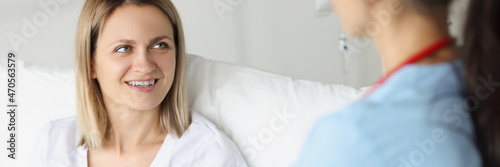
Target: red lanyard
417,57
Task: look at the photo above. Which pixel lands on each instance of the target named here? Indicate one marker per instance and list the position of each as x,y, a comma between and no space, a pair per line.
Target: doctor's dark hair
93,121
480,55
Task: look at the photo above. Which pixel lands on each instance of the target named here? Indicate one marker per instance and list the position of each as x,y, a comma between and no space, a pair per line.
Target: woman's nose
143,63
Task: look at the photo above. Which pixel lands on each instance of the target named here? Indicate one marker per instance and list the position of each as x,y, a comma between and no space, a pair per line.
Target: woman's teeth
141,83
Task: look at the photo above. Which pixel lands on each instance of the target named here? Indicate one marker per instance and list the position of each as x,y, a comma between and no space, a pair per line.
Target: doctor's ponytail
480,56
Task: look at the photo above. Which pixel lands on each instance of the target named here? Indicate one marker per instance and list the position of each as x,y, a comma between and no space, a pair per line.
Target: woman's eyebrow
130,42
160,38
126,41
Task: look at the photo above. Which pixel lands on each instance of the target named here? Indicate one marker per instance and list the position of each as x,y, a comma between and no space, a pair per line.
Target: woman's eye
160,45
123,49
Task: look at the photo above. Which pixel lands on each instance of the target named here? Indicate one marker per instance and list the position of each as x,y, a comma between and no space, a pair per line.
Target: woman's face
353,15
135,58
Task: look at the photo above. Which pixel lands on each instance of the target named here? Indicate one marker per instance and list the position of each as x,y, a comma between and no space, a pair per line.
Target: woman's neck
407,35
131,128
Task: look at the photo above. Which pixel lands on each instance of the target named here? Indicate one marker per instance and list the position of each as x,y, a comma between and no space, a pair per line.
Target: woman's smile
145,85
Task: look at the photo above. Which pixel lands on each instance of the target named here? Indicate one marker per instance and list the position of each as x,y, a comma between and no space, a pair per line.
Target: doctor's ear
382,4
372,2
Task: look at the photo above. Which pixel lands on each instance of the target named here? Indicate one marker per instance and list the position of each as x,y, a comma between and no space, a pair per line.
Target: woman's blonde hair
92,116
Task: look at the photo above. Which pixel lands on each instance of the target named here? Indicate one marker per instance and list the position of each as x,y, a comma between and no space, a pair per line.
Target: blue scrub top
417,118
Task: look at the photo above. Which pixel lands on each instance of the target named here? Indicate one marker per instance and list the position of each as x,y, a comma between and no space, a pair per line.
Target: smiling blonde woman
131,95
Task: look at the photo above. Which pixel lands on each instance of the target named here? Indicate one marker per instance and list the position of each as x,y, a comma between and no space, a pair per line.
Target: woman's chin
144,106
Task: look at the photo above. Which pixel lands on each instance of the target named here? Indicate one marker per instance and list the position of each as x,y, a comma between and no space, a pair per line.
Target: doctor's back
436,105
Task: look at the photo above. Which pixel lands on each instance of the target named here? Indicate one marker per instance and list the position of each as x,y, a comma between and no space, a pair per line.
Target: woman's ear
92,70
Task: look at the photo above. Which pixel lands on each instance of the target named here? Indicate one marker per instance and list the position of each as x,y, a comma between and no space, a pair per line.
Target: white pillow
247,104
267,115
43,94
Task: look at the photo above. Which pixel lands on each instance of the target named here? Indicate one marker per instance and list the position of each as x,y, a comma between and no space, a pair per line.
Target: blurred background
286,37
279,36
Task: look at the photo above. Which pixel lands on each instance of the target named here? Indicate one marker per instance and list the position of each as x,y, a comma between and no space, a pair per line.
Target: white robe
201,145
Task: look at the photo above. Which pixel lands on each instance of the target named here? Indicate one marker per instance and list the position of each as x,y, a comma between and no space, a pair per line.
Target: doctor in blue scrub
436,105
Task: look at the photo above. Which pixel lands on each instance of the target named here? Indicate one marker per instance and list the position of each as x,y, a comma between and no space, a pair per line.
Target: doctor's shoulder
211,146
56,142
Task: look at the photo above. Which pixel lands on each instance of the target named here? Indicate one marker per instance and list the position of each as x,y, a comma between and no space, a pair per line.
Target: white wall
280,36
49,43
285,39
